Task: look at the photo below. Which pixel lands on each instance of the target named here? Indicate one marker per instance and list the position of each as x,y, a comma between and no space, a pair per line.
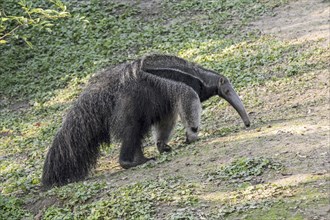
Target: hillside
276,53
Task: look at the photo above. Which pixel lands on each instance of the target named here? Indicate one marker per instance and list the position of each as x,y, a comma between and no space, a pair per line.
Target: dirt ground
300,20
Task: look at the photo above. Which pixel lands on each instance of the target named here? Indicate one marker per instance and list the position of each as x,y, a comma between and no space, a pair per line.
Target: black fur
204,91
194,129
160,61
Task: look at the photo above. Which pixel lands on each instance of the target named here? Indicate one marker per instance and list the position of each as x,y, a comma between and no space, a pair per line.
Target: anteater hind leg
131,154
162,132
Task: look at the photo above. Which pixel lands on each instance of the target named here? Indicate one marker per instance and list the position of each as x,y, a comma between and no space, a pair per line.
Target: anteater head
227,92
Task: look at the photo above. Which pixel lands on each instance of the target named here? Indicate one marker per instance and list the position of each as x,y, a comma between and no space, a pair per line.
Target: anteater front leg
190,114
162,132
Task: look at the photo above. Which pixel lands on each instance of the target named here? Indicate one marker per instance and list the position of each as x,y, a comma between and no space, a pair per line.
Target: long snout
236,102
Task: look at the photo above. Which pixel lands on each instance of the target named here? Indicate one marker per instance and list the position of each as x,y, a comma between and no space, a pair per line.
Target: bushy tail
75,148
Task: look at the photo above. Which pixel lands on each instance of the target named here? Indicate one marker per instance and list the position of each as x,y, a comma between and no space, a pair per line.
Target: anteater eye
222,81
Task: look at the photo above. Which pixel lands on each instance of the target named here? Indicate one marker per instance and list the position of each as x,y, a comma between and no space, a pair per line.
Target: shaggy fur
122,103
204,91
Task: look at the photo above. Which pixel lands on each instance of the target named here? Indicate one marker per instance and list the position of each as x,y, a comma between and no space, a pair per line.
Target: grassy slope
39,84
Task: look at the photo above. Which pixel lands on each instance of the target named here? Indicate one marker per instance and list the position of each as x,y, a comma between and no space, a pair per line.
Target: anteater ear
222,80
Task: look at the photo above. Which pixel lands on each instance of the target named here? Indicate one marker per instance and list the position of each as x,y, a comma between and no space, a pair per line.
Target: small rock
301,156
321,172
213,159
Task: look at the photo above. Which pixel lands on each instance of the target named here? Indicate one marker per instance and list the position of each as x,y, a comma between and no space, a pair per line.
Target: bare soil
300,20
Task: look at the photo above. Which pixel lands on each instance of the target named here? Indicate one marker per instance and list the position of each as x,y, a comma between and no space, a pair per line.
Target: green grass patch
11,208
77,193
244,169
306,196
134,201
